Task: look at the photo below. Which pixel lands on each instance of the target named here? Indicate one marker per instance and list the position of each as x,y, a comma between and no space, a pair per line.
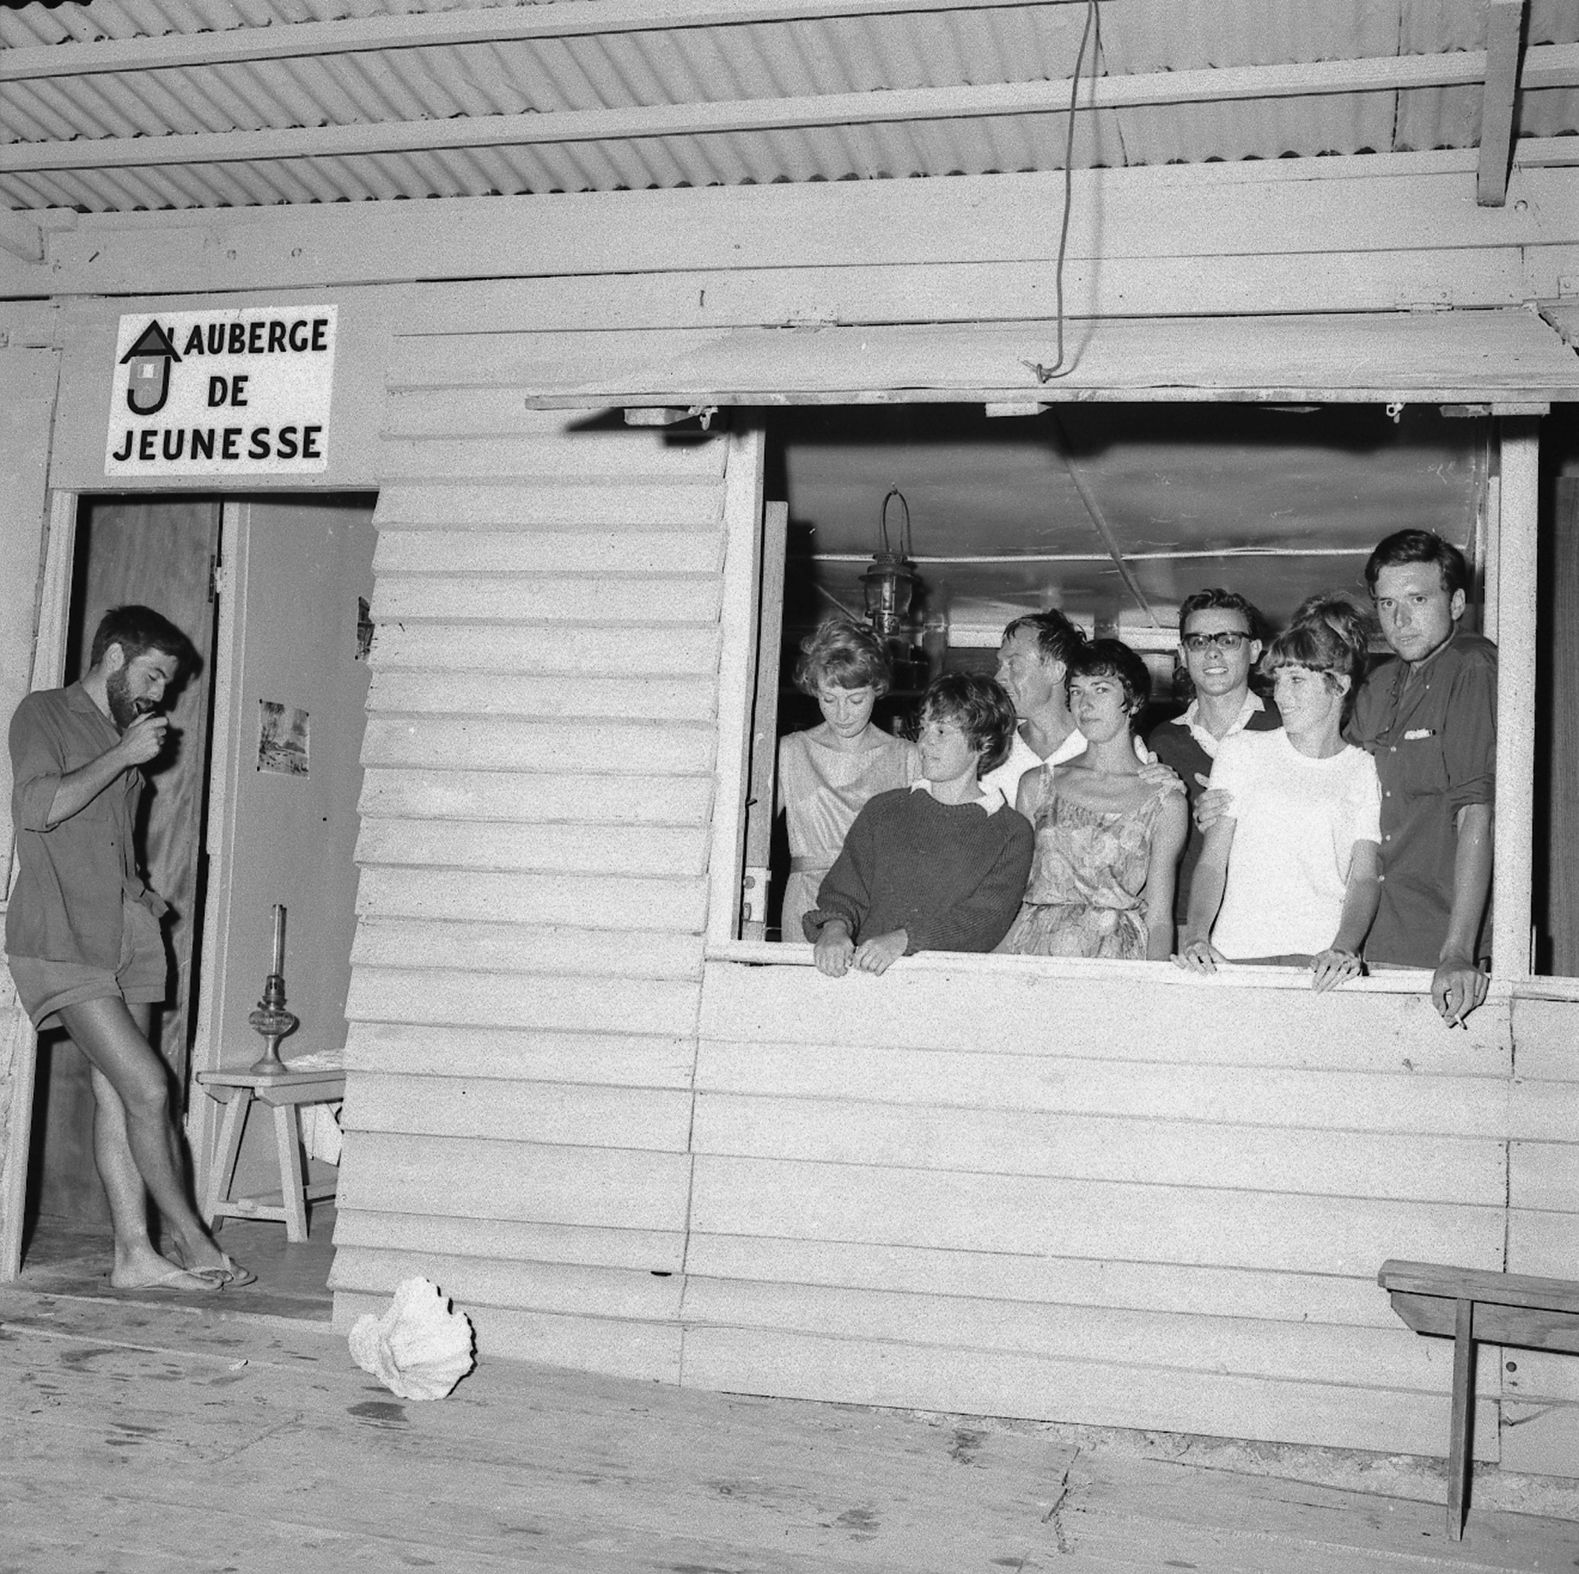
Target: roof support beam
446,30
21,237
1103,529
1504,30
1383,74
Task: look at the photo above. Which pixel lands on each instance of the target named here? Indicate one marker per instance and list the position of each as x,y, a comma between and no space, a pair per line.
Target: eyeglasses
1227,639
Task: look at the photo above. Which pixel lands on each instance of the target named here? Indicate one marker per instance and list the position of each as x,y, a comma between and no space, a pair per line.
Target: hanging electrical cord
1091,33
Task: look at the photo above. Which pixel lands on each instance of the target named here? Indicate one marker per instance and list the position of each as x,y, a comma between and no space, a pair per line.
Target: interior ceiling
1114,513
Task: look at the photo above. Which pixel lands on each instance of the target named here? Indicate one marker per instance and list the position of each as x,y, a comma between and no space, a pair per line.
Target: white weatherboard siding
1151,1205
526,979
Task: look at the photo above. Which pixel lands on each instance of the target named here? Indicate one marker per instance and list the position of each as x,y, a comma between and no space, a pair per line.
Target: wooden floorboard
199,1437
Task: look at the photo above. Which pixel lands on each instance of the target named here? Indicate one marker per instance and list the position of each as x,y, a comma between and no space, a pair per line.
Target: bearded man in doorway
82,931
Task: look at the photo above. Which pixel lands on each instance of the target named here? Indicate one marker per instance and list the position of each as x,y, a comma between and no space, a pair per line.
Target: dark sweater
950,875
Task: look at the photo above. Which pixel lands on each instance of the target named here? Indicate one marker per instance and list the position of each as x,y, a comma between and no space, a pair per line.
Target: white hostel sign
221,393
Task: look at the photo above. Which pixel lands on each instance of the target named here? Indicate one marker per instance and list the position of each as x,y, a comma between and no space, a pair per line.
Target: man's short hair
137,629
845,654
1057,639
1112,658
979,707
1419,546
1216,599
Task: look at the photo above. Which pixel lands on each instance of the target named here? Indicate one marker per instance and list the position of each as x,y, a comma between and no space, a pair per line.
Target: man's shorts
139,978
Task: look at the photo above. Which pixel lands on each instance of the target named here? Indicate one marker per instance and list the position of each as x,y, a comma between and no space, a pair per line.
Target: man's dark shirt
1433,733
72,876
1176,745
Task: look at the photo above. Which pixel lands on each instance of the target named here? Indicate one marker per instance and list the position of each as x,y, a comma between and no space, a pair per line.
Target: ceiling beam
1504,32
21,237
1100,524
1382,74
449,29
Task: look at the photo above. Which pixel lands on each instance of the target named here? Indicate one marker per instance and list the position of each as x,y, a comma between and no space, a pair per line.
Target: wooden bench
1473,1305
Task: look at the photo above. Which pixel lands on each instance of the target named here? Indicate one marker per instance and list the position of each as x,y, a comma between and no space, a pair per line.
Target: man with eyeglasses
1218,647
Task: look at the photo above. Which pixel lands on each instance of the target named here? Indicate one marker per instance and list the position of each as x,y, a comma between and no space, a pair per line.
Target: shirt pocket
1422,765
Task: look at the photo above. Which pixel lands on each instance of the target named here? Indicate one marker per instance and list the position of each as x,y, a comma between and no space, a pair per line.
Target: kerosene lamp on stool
271,1019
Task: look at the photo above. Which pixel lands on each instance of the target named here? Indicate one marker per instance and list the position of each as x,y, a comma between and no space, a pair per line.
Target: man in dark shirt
82,930
1428,715
1218,645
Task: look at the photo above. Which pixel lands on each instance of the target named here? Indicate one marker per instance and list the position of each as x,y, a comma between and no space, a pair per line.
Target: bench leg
293,1183
1462,1427
223,1167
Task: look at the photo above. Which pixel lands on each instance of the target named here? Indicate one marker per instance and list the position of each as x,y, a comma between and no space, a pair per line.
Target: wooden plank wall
539,754
1095,1199
1540,1409
1367,233
26,415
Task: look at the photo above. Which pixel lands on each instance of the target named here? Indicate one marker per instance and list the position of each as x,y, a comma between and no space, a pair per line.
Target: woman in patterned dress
1107,842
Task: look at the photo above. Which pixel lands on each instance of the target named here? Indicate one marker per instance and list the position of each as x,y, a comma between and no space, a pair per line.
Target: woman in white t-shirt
1290,874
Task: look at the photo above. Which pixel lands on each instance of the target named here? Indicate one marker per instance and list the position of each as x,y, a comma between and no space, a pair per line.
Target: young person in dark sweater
940,865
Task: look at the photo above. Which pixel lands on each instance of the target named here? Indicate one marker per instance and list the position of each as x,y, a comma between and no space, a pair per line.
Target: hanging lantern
890,582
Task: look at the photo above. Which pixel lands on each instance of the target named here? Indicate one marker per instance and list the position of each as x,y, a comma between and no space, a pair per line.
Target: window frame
1511,590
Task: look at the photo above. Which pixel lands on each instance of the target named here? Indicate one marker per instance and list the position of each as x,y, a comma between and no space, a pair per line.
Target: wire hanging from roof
1091,32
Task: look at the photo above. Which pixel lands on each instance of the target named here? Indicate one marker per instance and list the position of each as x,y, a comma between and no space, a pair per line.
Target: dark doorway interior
159,551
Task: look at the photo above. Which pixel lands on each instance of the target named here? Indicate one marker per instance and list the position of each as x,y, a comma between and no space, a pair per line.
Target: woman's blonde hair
845,654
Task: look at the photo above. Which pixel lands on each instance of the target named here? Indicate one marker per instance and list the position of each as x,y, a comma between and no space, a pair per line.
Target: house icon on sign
148,380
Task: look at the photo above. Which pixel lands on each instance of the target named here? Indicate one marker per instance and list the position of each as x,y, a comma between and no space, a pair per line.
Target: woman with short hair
828,773
937,866
1290,874
1107,841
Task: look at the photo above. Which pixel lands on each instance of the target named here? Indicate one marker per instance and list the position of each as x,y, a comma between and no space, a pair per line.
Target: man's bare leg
136,1145
137,1264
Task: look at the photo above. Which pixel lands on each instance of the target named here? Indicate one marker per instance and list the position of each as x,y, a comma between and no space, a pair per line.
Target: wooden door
158,551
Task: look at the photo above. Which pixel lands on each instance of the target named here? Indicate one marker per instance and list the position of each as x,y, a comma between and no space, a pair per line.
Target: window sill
1405,981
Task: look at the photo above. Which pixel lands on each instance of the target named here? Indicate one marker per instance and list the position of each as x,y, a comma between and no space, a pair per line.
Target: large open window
1114,513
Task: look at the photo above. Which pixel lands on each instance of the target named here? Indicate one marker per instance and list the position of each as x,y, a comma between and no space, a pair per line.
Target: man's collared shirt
1432,730
1186,747
1253,706
1022,758
73,876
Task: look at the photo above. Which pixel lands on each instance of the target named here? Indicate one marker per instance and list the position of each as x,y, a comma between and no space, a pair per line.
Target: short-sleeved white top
1296,822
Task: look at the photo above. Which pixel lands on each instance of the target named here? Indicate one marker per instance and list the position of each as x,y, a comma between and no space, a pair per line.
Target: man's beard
124,710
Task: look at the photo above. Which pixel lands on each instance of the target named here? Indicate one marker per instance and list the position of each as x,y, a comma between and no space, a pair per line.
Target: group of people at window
1343,821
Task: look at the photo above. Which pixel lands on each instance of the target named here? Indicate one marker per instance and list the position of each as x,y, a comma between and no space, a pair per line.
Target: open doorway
258,808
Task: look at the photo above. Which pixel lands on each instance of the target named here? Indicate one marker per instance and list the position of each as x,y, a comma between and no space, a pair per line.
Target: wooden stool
237,1090
1471,1305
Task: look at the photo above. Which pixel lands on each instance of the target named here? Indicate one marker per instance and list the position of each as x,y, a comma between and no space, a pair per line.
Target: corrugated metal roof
760,56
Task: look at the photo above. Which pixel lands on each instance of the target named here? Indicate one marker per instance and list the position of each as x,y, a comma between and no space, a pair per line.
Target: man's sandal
226,1274
178,1281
